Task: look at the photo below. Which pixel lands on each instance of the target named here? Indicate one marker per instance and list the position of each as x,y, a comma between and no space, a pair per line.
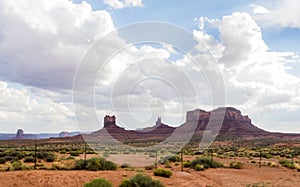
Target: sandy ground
212,177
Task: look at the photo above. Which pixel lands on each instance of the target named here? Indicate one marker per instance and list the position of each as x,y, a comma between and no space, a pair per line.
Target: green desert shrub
20,155
162,172
58,167
256,185
287,164
168,165
2,161
125,165
95,164
284,162
79,165
236,165
140,180
67,158
50,157
291,166
17,165
41,155
206,162
268,156
151,167
90,152
105,164
75,153
98,183
47,156
29,159
199,167
2,154
11,158
171,158
186,164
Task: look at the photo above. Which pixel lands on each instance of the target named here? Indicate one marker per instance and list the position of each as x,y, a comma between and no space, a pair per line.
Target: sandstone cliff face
231,114
233,123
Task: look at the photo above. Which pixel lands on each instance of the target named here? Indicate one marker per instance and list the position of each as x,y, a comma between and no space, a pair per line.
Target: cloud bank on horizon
43,41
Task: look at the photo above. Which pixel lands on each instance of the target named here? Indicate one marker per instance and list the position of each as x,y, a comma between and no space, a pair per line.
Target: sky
243,54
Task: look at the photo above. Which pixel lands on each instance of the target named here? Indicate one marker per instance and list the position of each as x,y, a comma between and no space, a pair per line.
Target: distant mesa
67,134
234,125
233,122
231,114
20,134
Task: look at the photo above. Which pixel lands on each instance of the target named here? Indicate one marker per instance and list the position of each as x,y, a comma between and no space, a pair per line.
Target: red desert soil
212,177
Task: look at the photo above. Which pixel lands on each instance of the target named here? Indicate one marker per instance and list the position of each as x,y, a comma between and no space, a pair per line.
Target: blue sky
183,13
255,45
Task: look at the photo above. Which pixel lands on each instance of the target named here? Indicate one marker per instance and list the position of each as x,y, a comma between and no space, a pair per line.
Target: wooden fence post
181,159
35,155
85,154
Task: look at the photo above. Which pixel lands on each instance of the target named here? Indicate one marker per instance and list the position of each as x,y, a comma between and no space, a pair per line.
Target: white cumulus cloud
120,4
257,9
283,13
43,41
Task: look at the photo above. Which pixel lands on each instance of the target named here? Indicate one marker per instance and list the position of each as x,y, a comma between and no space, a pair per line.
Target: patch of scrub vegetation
75,153
199,167
256,185
95,164
17,165
2,161
29,159
236,165
151,167
205,162
170,158
287,163
141,180
98,183
163,172
125,165
47,156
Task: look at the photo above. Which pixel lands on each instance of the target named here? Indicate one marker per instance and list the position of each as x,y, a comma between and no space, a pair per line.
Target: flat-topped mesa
231,114
196,115
109,121
234,114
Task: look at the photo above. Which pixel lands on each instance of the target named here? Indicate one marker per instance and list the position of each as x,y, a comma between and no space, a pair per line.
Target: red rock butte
109,121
